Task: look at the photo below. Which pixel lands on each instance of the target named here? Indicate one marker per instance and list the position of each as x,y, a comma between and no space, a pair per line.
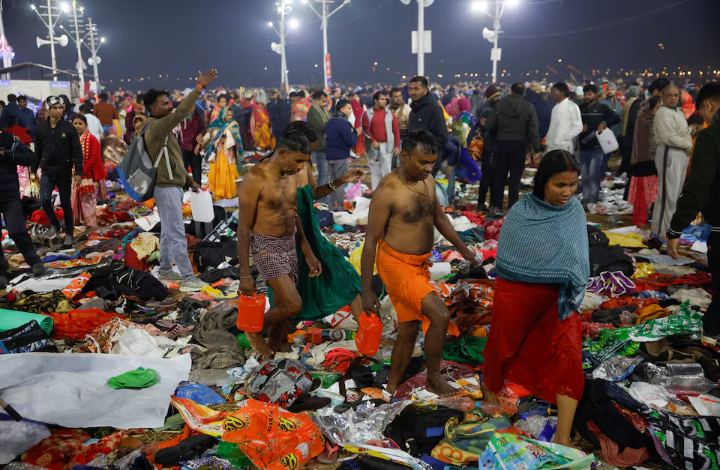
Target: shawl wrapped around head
546,244
232,131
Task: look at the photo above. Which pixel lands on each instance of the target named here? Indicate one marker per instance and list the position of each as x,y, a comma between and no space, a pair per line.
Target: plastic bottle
369,334
251,313
456,403
201,206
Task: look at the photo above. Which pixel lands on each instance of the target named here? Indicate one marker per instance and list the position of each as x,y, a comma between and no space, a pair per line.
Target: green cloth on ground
469,350
464,442
10,319
138,378
339,283
232,452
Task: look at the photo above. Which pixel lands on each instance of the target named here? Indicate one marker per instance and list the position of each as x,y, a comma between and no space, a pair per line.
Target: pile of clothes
116,348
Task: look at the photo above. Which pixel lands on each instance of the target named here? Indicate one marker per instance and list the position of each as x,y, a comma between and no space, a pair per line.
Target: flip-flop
330,454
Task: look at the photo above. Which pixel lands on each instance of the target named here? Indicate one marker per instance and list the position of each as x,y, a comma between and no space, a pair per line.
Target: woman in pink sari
84,197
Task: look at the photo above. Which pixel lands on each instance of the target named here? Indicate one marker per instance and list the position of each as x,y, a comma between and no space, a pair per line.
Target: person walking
12,155
643,173
172,177
57,146
674,138
515,123
84,198
340,137
565,123
612,102
402,113
535,336
382,138
318,117
702,194
596,117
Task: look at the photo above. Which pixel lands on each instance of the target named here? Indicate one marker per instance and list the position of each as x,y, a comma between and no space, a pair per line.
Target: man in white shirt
93,123
674,139
565,123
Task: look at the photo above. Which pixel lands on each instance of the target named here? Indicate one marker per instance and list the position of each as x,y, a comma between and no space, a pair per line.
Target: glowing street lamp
482,6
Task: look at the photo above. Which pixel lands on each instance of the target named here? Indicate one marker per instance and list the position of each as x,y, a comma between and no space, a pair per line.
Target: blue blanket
542,243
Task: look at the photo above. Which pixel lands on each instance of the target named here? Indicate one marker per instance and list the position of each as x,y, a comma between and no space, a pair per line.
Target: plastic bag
538,427
511,452
354,191
356,256
273,438
358,426
616,368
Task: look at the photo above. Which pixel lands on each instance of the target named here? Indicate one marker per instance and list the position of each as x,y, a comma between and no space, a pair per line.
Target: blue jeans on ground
173,244
590,167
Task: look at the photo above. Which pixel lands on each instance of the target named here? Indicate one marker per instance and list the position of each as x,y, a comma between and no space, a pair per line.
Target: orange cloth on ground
407,279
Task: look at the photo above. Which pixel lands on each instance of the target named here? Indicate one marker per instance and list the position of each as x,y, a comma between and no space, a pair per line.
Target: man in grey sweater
172,177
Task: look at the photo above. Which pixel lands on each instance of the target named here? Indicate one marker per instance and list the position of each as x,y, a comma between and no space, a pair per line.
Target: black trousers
195,163
487,167
510,159
711,320
15,224
64,185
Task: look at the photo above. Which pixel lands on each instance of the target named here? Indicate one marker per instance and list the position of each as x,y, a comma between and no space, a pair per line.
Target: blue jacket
542,109
279,114
340,138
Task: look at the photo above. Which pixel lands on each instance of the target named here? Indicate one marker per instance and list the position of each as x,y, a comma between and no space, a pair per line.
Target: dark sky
178,37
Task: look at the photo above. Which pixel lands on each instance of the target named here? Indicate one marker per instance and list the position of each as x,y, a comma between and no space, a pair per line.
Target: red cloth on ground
132,261
76,324
64,449
611,451
39,216
529,345
657,281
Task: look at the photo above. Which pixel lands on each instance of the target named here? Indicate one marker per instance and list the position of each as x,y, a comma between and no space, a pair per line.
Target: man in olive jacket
514,124
172,177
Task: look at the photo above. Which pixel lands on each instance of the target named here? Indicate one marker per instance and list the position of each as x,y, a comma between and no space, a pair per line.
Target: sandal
330,454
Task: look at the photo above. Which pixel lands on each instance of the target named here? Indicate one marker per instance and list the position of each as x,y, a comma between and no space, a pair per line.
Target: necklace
413,189
269,165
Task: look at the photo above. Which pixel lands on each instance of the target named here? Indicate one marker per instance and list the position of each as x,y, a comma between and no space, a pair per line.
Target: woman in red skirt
543,267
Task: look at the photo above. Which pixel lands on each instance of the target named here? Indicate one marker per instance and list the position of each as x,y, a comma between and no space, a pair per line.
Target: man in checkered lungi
270,228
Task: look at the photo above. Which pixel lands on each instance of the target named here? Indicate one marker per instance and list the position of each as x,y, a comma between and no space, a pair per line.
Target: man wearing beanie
57,147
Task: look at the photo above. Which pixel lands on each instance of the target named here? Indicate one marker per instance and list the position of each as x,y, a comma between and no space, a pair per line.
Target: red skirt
530,346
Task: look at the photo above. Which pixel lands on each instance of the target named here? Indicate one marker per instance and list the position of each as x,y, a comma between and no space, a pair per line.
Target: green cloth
10,319
339,283
232,452
138,378
469,350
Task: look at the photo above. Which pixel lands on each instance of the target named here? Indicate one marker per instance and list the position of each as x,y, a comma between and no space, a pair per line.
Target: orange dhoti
407,280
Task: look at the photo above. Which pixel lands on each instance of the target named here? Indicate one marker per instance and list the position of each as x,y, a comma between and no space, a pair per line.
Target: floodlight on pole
49,17
94,47
421,39
283,9
79,29
324,16
493,35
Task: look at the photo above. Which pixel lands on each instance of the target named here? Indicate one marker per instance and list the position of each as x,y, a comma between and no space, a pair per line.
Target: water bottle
369,334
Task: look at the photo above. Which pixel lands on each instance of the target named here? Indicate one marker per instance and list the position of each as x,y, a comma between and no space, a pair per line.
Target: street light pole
50,25
80,63
421,37
324,16
94,54
493,35
496,27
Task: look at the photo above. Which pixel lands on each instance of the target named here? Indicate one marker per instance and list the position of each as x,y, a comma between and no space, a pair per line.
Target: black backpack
418,429
212,254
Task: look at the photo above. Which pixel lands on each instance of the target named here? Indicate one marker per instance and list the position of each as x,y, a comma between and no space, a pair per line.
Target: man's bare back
412,208
277,201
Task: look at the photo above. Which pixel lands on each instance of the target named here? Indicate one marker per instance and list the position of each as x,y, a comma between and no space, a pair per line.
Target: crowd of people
276,159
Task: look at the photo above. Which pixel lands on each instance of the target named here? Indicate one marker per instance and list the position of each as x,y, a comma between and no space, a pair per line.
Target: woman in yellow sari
222,154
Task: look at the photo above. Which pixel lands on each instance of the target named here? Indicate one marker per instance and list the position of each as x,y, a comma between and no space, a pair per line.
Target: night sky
178,37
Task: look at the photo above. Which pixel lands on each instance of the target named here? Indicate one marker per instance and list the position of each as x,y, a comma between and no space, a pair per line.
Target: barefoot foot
440,387
260,346
488,396
391,389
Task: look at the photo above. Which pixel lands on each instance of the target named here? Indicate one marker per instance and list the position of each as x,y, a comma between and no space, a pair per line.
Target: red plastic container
369,334
251,313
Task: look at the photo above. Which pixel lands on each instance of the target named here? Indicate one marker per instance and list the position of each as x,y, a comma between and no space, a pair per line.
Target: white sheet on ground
41,286
17,437
71,390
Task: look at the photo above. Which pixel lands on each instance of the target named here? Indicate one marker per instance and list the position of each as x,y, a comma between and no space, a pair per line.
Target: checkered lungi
274,256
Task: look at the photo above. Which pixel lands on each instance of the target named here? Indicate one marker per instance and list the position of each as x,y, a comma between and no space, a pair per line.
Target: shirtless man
403,212
270,228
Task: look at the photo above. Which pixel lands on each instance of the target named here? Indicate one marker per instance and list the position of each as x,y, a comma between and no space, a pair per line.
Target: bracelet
332,186
244,277
201,85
